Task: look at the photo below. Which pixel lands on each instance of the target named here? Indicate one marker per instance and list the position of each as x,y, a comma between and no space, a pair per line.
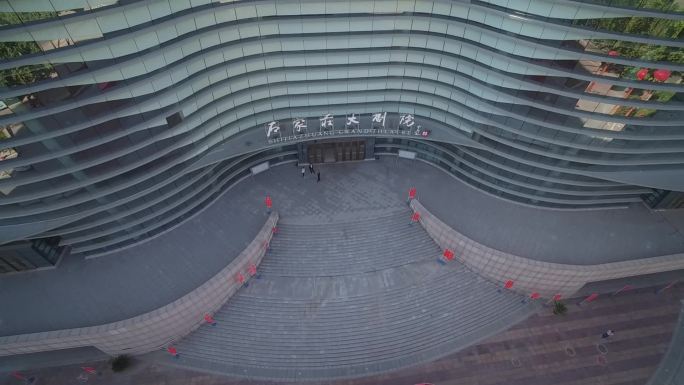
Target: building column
370,148
302,153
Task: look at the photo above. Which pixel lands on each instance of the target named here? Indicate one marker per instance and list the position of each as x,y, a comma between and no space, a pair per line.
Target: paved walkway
543,350
136,280
362,189
108,288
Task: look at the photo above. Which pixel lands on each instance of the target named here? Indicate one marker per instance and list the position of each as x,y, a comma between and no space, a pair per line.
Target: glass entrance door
330,152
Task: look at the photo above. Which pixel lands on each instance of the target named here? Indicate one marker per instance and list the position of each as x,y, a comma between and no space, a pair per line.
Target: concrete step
347,248
387,217
347,299
367,346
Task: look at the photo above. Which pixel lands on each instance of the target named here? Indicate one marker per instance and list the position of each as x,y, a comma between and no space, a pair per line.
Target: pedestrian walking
303,172
311,169
607,334
318,177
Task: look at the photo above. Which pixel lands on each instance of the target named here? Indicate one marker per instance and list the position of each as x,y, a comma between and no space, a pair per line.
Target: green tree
650,26
24,74
7,18
10,50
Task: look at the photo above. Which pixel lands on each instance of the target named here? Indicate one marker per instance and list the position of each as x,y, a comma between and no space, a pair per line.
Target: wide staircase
347,300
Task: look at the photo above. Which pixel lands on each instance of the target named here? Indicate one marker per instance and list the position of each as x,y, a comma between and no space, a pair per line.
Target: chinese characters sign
379,123
272,130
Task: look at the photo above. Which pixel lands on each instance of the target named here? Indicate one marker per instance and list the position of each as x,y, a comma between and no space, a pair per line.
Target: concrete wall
156,329
548,279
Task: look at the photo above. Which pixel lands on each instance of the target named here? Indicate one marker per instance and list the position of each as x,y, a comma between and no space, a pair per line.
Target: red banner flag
412,192
670,285
591,297
415,217
252,269
240,278
18,376
534,295
624,288
269,202
556,297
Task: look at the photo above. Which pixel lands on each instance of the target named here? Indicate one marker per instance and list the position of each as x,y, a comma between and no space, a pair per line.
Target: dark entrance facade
331,151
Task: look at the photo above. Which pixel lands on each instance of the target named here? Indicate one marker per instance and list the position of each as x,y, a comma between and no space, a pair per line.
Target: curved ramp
349,300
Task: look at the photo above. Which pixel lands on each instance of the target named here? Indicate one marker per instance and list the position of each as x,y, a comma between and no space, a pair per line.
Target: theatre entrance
334,151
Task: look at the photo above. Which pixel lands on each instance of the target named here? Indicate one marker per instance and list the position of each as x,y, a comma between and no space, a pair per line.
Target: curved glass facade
107,109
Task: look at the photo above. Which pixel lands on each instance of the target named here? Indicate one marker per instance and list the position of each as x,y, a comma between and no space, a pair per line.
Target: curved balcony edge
532,276
156,329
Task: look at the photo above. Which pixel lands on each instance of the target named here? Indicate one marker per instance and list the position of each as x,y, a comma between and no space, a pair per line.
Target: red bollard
533,297
588,299
508,285
209,319
415,218
172,351
275,230
448,254
89,369
252,269
412,195
240,278
269,203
